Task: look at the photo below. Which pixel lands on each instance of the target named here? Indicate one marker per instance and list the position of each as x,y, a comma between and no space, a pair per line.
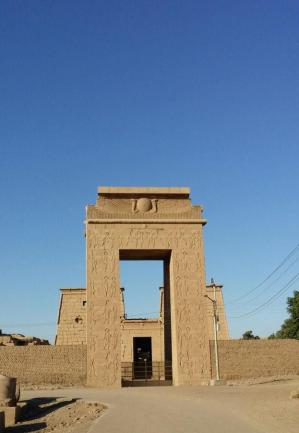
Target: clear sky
147,93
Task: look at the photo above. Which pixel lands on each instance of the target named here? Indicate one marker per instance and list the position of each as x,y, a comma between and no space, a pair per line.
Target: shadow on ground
40,407
26,428
36,408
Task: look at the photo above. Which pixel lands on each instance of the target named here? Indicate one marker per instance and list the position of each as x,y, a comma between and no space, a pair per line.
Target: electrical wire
270,300
272,283
290,254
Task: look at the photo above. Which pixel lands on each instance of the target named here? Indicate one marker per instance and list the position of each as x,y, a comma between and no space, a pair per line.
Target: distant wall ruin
246,359
64,365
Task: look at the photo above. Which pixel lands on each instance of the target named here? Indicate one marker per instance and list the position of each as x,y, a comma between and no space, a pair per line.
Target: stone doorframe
146,223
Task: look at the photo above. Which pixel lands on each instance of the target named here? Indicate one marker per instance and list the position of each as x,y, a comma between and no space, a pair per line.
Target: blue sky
149,93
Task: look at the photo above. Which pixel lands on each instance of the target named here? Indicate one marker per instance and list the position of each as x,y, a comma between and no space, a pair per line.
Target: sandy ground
242,408
57,415
267,407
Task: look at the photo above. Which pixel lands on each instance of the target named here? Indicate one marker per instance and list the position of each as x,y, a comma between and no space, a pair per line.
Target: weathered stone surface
71,326
7,391
172,232
65,365
132,190
11,415
247,359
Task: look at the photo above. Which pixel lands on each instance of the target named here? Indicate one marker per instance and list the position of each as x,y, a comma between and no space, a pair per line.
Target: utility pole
215,323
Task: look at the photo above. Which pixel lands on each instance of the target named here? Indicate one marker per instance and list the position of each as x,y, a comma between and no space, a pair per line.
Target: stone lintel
73,289
143,320
145,221
131,190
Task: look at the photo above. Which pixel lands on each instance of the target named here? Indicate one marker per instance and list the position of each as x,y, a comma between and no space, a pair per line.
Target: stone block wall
244,359
223,333
147,328
65,365
71,324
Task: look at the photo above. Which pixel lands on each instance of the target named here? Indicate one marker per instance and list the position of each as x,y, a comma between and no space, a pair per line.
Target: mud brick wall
246,359
65,365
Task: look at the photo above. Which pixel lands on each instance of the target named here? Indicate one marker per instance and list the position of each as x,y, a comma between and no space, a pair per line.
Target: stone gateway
146,223
97,344
143,224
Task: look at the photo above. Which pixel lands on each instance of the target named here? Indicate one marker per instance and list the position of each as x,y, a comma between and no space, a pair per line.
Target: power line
271,299
272,283
290,254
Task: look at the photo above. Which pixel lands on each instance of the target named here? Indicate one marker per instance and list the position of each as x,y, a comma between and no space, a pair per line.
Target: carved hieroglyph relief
180,240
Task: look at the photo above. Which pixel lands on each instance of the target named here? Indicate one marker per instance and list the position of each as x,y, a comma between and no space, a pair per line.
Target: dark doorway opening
142,347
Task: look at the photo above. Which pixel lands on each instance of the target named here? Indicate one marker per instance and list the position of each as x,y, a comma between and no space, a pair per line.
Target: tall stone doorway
146,350
144,223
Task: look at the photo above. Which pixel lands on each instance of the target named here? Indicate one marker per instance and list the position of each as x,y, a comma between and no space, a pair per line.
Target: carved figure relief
107,241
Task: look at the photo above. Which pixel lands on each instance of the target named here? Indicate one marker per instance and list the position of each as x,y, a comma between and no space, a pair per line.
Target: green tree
248,335
290,327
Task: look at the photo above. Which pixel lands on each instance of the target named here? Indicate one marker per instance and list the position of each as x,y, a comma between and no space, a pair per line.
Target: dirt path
264,408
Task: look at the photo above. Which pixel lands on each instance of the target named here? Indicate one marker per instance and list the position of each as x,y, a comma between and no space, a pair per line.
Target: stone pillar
103,310
189,325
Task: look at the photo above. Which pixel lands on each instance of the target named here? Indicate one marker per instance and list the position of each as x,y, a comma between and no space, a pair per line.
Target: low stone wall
246,359
65,365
